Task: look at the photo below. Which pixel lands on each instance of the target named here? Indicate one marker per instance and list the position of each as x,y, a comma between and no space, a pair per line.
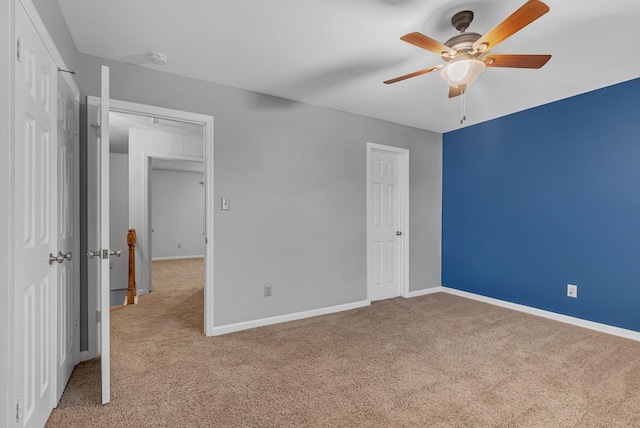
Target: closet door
35,223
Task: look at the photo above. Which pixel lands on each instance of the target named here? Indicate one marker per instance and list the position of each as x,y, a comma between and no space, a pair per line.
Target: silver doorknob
64,256
93,254
398,233
116,253
52,259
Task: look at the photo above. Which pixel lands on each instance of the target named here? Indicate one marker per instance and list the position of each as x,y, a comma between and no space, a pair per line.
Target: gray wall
177,214
296,177
51,15
295,174
119,224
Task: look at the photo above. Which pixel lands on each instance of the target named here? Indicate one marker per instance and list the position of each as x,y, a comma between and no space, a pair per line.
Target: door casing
194,118
146,209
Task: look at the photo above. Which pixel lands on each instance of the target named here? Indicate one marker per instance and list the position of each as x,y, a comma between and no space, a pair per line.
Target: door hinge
18,409
98,316
19,49
97,127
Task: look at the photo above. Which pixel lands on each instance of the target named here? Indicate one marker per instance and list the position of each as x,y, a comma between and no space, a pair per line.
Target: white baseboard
230,328
603,328
422,292
157,259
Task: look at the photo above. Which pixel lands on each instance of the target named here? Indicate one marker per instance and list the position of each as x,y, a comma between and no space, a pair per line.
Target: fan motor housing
462,20
462,43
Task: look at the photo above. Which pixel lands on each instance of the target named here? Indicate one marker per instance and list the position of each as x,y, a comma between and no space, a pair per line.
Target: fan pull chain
463,104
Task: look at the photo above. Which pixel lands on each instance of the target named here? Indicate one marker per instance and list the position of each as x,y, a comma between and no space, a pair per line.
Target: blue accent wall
545,197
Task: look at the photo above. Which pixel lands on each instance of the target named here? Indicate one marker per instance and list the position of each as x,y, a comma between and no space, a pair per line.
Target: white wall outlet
179,245
572,290
267,290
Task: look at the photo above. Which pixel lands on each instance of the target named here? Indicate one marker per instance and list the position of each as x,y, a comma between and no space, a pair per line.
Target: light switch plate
225,203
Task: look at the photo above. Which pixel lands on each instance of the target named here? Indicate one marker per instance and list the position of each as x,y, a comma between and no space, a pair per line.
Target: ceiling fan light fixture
462,71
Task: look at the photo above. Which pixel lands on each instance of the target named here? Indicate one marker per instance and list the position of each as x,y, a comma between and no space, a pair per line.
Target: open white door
105,321
105,325
98,217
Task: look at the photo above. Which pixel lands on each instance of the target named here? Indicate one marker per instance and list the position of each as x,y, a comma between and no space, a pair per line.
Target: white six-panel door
68,333
386,222
35,226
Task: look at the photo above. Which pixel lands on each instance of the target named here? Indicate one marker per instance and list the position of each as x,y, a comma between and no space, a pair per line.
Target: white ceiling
337,53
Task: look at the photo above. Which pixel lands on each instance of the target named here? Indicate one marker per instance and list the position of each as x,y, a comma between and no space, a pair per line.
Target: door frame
189,117
404,201
146,207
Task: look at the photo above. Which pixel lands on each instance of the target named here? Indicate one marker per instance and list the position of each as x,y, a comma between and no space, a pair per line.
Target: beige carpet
437,360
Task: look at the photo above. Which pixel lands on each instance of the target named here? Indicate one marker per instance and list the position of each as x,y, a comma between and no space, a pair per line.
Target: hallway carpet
437,360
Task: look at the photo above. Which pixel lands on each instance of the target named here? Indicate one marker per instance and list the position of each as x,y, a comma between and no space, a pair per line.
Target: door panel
35,225
68,334
385,222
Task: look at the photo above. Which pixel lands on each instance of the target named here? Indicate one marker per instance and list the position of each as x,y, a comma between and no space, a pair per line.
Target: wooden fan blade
427,43
414,74
454,92
529,12
516,61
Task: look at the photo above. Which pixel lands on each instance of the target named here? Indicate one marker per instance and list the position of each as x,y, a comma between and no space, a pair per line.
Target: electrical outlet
572,290
267,290
179,245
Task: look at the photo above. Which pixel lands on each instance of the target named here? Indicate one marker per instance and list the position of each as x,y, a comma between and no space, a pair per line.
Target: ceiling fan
467,54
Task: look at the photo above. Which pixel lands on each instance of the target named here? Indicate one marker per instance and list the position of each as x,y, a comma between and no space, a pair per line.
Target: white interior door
98,214
68,303
35,214
385,219
105,321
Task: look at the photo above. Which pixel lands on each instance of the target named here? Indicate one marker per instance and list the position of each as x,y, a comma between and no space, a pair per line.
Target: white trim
423,292
404,155
85,356
230,328
146,269
603,328
208,123
159,259
7,194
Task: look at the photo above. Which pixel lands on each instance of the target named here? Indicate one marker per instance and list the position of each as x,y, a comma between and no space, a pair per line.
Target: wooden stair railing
131,291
